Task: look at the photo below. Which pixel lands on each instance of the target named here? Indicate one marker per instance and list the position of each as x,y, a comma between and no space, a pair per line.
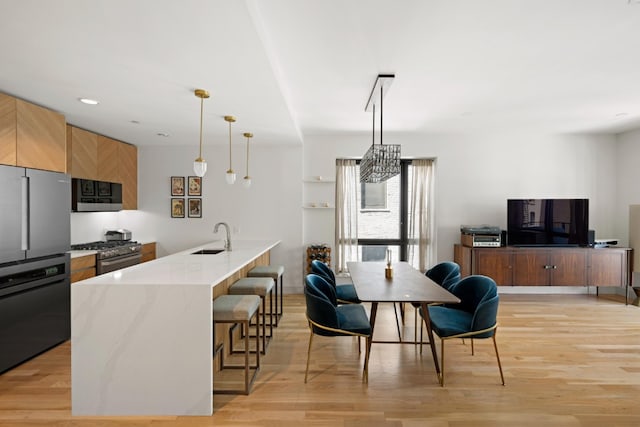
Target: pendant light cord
201,109
247,156
230,168
381,95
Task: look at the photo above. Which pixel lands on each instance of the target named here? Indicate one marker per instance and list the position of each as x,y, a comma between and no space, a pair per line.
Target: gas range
110,248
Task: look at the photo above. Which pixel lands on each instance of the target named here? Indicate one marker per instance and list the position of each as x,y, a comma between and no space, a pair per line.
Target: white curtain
421,225
346,214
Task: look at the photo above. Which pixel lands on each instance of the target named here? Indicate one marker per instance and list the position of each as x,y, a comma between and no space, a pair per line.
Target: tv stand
548,265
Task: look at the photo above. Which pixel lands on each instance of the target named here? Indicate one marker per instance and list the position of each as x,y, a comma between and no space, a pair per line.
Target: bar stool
261,286
275,272
238,309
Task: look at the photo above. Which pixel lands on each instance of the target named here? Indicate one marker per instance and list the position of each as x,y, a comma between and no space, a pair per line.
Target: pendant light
381,161
231,175
246,182
199,164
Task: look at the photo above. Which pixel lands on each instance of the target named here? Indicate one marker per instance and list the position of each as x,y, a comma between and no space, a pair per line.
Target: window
380,224
395,215
373,195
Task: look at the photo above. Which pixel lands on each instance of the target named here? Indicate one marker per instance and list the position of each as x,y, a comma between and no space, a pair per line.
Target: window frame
402,242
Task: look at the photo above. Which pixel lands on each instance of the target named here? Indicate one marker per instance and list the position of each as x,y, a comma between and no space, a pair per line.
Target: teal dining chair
475,317
345,293
327,318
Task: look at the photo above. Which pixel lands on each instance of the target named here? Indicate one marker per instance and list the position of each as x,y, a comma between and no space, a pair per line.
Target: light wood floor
569,360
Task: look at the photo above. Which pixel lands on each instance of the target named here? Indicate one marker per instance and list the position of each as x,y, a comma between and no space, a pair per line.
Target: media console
548,266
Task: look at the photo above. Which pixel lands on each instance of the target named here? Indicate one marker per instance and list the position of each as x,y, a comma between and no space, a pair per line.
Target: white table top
183,268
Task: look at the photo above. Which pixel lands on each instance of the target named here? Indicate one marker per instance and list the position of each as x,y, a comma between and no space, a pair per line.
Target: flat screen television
548,222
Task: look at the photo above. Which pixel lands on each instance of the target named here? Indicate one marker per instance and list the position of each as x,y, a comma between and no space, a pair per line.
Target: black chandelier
380,162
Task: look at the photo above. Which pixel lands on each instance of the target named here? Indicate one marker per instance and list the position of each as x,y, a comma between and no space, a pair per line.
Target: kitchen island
142,337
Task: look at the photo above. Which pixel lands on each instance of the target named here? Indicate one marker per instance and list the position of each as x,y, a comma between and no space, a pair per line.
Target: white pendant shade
246,182
230,176
199,167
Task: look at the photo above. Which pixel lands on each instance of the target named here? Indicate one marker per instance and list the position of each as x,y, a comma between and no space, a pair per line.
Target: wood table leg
372,321
427,323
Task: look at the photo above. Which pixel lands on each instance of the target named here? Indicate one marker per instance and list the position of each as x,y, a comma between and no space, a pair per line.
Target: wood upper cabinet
8,130
97,157
108,159
82,153
128,175
31,136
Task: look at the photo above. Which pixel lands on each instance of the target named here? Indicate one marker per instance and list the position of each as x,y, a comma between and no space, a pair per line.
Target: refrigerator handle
24,223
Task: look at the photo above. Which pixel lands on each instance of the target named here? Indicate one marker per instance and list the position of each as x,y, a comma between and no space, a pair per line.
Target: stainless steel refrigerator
35,210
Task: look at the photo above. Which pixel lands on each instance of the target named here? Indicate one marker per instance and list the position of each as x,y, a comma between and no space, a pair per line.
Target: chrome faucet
227,241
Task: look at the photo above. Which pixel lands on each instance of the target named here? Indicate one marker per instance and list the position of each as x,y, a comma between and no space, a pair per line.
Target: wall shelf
319,181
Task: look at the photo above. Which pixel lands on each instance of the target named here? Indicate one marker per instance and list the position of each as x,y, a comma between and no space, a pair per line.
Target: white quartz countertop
184,268
81,253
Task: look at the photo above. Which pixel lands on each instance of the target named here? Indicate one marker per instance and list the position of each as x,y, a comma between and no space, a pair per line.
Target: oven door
116,263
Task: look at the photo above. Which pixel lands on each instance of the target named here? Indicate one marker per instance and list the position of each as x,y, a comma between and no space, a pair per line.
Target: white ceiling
290,68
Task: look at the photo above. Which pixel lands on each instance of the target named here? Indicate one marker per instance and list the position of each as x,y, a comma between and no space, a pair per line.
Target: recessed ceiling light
135,122
163,134
88,101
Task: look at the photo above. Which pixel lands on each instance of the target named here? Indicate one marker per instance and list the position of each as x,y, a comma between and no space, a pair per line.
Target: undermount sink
207,252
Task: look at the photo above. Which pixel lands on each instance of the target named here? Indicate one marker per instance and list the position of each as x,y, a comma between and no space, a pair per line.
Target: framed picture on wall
195,208
177,208
177,185
195,186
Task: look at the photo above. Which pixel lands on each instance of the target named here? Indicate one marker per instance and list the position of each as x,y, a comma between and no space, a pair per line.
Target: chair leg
495,346
473,353
306,372
441,362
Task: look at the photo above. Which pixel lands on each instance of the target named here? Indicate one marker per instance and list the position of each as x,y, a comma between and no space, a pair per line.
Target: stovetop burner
110,248
102,244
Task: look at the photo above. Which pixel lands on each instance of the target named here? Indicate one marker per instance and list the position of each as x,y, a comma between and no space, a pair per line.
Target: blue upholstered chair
445,274
475,317
328,319
346,293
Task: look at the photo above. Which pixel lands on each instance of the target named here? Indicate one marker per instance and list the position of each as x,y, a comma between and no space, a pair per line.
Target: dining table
406,285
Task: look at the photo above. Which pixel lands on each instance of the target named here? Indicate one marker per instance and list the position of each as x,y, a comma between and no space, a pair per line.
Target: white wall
476,174
270,209
628,180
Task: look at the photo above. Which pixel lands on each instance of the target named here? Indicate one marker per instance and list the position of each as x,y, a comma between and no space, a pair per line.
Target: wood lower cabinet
148,251
498,266
548,266
31,136
83,267
610,267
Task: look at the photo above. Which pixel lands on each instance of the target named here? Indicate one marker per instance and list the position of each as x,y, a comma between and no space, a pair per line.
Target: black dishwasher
35,307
